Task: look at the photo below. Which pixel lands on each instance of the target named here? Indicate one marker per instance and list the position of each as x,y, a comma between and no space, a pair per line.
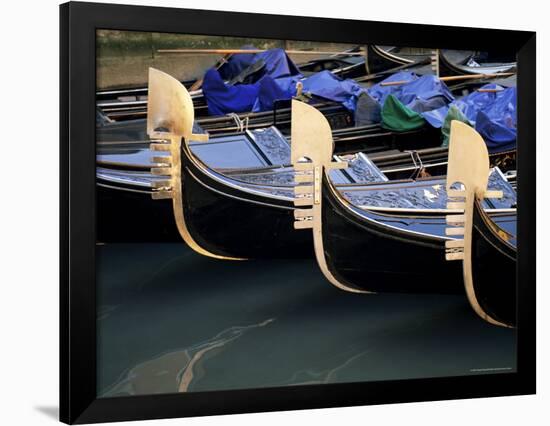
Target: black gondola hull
493,269
230,222
365,254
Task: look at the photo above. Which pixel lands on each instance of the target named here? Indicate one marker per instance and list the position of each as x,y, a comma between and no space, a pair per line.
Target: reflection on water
170,320
176,370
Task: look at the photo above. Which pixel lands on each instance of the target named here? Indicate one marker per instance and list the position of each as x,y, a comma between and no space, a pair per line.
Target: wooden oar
489,90
198,84
251,51
454,78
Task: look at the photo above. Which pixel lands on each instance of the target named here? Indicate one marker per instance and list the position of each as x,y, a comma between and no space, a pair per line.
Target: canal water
170,320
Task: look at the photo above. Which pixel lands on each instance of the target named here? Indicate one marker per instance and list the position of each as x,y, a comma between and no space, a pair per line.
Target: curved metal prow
468,167
311,152
170,108
170,117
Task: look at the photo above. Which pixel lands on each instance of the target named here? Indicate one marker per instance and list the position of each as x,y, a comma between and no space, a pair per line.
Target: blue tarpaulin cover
271,90
492,114
223,98
259,96
261,90
326,85
277,64
379,92
418,94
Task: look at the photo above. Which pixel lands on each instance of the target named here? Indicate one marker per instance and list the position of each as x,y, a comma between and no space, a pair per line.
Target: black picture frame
78,400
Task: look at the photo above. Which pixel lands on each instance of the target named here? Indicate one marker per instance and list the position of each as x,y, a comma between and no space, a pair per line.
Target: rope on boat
242,125
417,162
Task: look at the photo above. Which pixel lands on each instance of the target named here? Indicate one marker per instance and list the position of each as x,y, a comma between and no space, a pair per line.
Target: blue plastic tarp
237,63
497,123
492,114
277,64
379,92
271,90
328,86
418,93
260,96
223,98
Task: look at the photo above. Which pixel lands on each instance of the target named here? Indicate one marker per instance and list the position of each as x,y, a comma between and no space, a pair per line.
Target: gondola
125,183
396,241
381,59
134,184
124,104
136,129
348,137
226,215
241,161
487,251
131,103
458,63
494,263
342,65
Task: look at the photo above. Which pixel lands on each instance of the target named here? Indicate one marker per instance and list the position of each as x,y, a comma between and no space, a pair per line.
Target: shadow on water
173,321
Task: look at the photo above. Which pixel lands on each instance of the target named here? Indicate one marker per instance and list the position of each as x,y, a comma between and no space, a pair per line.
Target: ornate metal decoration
468,169
311,156
170,118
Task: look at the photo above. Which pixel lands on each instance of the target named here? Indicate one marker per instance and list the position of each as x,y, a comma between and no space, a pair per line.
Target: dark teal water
170,320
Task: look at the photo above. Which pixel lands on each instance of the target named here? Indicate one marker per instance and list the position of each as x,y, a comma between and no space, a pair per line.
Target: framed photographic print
264,212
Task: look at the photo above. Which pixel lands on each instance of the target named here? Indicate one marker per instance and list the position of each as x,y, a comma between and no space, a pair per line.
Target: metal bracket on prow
311,154
458,200
468,166
170,116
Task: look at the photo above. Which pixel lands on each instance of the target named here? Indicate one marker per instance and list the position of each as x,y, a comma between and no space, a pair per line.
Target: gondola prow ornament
311,154
170,117
467,177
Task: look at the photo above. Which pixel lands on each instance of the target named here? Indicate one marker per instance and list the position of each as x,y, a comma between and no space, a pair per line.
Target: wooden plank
254,51
453,78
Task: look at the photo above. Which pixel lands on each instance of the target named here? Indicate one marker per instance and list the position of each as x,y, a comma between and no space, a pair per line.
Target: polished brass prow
170,117
467,169
311,153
